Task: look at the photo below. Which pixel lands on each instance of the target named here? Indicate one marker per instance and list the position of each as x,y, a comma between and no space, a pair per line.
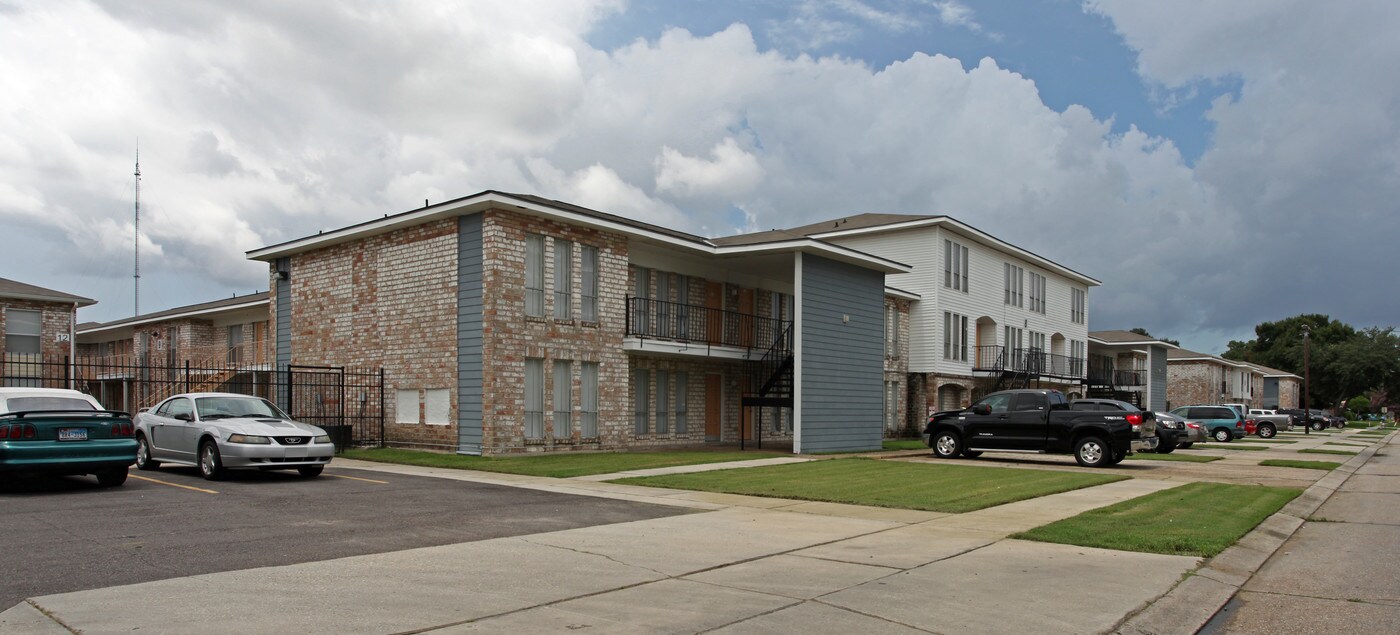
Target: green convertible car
55,431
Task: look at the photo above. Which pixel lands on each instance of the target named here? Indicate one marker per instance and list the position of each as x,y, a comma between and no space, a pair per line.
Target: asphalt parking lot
65,534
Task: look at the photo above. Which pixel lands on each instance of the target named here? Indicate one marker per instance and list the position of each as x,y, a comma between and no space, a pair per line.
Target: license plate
72,434
295,453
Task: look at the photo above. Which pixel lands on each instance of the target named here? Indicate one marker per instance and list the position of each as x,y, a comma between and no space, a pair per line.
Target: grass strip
558,465
879,483
1371,433
1273,440
1197,519
903,444
1311,465
1237,446
1321,451
1360,424
1188,458
1350,445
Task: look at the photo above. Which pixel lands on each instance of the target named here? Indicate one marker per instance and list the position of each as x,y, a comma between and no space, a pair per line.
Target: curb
1195,601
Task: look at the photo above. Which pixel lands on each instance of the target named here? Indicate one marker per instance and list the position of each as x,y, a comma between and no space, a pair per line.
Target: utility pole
1307,415
136,271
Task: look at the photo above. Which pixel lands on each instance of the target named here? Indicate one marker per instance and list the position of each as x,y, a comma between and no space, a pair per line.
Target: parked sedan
1188,432
60,431
1222,423
221,431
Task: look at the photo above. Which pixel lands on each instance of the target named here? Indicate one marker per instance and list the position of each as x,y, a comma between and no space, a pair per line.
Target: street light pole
1307,415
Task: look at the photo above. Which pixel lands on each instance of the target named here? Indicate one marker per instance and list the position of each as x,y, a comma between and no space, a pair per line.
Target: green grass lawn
904,444
1311,465
1174,456
1236,446
558,465
1360,424
1197,519
1273,441
861,481
1321,451
1371,433
1350,445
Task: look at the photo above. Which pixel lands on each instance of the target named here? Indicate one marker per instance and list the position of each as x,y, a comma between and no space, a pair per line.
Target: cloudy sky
1215,164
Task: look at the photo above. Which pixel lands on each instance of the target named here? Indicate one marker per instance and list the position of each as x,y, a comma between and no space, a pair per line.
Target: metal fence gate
348,402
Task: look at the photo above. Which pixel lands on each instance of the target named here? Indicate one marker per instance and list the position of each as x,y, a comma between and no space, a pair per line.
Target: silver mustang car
220,431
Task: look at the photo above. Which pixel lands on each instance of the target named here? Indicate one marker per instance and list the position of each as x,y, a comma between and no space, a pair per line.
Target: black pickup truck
1039,421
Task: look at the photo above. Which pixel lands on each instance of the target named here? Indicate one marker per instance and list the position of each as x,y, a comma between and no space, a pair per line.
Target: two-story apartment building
38,324
989,314
510,323
134,362
1281,389
1200,378
1127,366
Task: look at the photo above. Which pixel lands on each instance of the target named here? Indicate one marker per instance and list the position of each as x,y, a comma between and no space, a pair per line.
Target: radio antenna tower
136,273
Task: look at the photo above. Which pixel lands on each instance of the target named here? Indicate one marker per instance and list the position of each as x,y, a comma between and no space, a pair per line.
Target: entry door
714,406
714,318
746,322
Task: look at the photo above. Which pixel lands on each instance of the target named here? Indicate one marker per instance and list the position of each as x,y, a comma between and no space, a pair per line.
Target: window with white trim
954,266
563,279
1013,338
534,398
1077,306
1013,276
641,395
1038,341
23,331
534,275
588,400
588,255
563,399
954,336
682,397
663,402
1037,293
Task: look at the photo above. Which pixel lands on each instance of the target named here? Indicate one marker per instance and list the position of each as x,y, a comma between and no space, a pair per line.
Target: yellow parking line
197,489
356,478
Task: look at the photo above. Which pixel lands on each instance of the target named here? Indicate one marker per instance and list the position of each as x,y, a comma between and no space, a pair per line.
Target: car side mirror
183,416
982,409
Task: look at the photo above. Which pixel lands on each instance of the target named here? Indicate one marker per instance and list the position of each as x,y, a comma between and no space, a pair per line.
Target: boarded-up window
406,406
437,406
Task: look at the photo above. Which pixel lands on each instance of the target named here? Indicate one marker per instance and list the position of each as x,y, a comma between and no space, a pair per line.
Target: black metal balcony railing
663,320
1107,375
1032,361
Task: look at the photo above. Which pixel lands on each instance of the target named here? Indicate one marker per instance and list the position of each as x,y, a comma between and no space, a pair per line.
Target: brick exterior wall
1289,392
897,371
1190,383
55,331
385,301
511,336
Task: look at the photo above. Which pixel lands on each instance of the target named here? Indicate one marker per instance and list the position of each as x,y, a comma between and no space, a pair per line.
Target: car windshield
21,404
225,407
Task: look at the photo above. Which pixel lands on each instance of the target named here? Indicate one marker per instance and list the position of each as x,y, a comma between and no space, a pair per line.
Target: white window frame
1037,293
534,275
955,265
954,336
563,279
588,255
1013,276
37,337
1077,308
534,398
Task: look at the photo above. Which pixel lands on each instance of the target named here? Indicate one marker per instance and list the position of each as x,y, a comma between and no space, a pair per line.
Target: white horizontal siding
922,249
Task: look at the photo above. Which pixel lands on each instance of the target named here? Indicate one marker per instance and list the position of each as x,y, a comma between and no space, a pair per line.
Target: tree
1143,332
1359,406
1343,361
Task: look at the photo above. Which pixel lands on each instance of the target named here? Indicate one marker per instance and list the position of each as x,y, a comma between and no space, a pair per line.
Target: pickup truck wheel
1318,426
1266,431
947,445
1165,448
1092,452
1223,435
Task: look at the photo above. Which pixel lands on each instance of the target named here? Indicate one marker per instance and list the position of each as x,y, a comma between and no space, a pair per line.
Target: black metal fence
347,402
1031,361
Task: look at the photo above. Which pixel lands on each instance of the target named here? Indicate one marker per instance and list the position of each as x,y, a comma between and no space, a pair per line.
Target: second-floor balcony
649,319
1032,361
1108,375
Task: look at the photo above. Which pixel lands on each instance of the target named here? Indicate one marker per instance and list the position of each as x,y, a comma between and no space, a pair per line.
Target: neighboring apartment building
1281,389
217,343
1130,367
510,323
1199,378
38,325
989,315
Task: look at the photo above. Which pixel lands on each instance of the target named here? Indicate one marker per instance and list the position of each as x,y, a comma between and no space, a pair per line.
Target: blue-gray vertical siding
469,380
283,353
842,360
1271,392
1157,374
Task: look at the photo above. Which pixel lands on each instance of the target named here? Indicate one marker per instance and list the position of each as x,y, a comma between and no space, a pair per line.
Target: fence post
187,375
381,406
67,372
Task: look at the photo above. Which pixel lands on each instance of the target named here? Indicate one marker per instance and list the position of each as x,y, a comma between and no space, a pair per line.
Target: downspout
72,344
797,355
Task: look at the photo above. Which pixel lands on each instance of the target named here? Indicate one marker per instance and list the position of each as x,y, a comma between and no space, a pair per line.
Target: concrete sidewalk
740,565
